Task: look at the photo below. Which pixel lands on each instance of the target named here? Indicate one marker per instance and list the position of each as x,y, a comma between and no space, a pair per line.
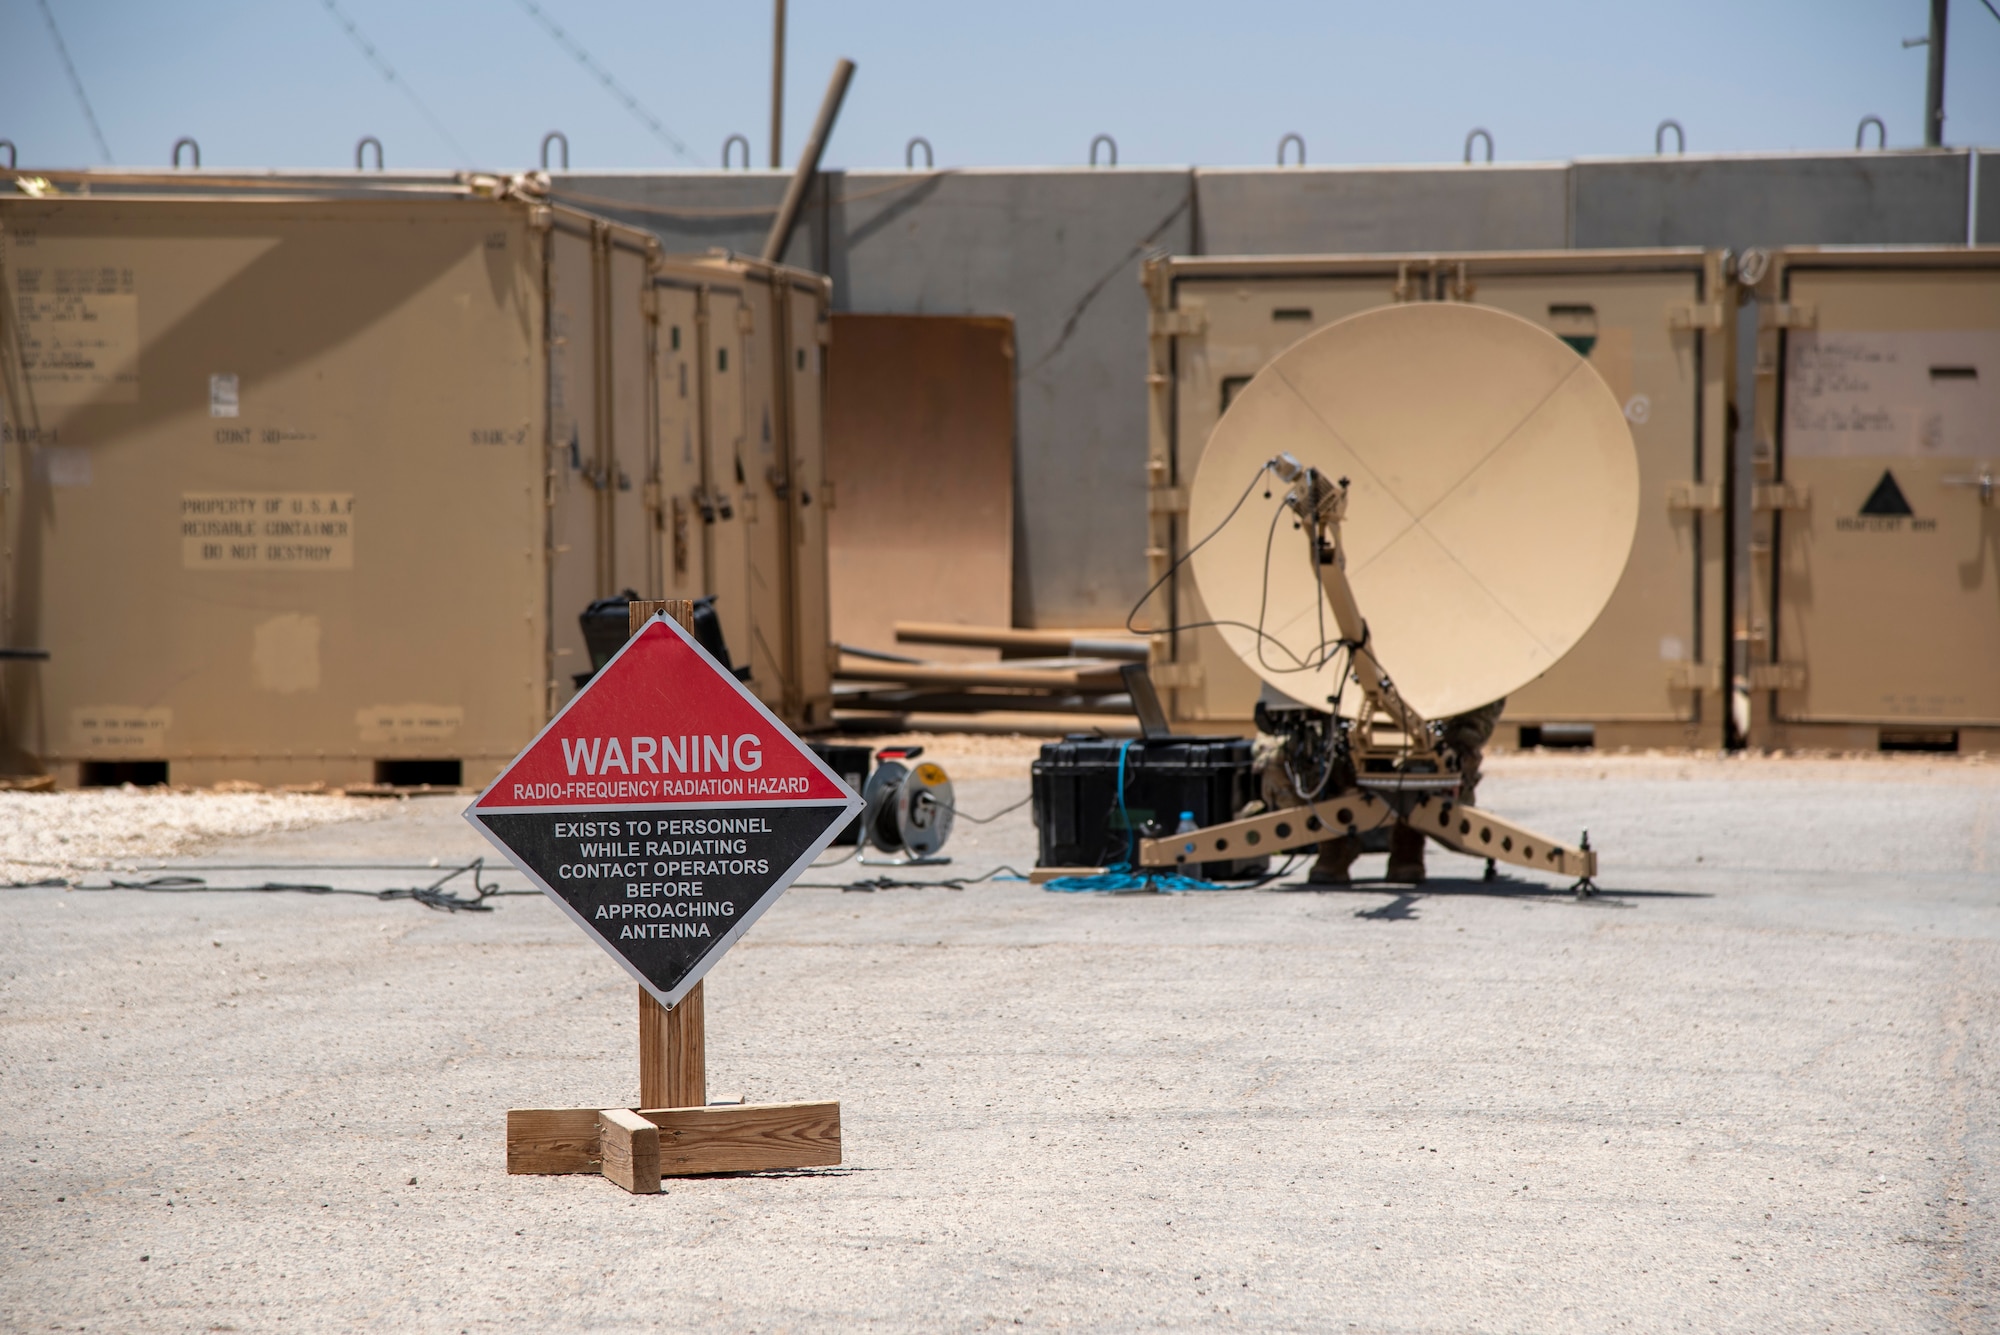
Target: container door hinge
746,320
1694,677
1176,324
1167,501
1176,676
1706,316
1786,315
1777,676
649,302
1700,497
1780,496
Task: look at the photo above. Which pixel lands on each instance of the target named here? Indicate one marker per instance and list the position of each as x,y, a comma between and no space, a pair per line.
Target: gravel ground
60,834
1753,1087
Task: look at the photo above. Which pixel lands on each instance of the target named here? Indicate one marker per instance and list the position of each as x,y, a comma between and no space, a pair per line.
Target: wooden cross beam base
636,1147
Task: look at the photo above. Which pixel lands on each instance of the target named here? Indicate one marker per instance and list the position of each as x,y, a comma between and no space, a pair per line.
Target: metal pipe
360,149
1109,143
1934,79
1660,137
731,142
802,178
194,149
1861,132
558,137
1292,138
777,83
1479,132
910,154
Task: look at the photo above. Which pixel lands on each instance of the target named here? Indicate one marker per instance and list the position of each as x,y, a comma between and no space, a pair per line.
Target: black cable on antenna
1990,9
611,85
75,82
376,59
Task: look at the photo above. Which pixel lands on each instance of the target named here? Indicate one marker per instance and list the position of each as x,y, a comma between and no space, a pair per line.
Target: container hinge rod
1700,497
1179,324
1780,496
1777,676
1167,501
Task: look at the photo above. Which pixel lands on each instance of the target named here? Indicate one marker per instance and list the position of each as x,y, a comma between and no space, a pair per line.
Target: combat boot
1336,856
1406,856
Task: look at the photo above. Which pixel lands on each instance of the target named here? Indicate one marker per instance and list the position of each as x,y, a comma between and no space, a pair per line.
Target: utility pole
778,79
1933,83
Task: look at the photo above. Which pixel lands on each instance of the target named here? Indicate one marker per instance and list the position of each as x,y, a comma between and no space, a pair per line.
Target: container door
1888,572
677,487
725,521
766,488
573,464
806,334
1241,327
629,426
1634,665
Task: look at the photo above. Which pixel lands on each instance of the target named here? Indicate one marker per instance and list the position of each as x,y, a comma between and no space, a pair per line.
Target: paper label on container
79,330
222,398
119,730
409,725
249,530
1924,393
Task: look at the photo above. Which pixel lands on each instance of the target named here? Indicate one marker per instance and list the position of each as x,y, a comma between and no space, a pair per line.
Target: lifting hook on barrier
12,162
555,137
910,154
1660,137
360,149
736,139
1479,133
188,143
1292,138
1861,132
1109,143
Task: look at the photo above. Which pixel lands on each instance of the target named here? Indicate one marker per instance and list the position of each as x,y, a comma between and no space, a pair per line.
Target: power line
75,82
376,59
617,90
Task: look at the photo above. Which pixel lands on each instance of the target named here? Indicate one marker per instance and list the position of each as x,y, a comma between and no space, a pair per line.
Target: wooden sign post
674,1131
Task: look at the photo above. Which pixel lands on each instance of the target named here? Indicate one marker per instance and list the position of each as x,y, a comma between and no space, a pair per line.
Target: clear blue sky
281,83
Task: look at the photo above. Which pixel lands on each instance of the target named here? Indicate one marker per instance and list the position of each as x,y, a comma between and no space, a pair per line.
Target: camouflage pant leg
1465,736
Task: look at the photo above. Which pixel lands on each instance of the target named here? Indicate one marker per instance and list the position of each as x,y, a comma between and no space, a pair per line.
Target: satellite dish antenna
1493,493
1464,492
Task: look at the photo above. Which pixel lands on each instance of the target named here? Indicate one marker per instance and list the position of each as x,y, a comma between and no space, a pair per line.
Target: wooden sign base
675,1132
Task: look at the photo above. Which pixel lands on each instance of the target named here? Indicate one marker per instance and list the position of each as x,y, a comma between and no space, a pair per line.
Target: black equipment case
1076,805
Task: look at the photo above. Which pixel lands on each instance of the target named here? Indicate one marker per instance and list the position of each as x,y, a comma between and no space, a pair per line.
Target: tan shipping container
314,489
1874,617
1657,325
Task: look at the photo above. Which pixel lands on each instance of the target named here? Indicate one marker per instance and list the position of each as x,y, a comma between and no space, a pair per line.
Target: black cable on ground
432,896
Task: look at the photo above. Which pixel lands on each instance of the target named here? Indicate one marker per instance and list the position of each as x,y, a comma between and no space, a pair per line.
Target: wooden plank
673,1052
1083,643
629,1150
1098,678
552,1140
673,1044
747,1138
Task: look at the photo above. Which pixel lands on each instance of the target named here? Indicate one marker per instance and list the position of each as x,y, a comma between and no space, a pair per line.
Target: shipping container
1658,325
314,489
1874,553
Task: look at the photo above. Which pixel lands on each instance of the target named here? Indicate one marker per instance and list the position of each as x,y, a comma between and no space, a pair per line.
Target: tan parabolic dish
1494,496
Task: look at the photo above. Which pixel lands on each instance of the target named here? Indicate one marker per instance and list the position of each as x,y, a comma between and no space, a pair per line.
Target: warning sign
664,809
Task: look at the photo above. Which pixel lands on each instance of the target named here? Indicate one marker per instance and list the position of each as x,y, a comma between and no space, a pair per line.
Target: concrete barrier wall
1838,199
1058,249
1328,210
